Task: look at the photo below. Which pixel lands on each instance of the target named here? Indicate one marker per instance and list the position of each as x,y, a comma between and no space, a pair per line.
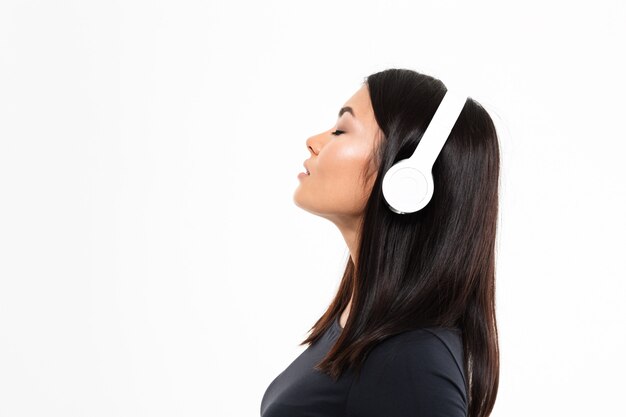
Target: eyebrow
346,109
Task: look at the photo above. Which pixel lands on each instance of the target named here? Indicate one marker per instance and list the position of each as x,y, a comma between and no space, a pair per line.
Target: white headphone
408,184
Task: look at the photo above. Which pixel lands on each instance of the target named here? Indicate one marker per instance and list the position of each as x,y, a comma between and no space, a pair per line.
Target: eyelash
337,134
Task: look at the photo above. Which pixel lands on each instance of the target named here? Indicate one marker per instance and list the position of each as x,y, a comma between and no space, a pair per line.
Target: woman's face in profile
334,188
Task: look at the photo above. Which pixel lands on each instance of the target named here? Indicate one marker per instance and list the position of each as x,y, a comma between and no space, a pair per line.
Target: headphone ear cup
407,188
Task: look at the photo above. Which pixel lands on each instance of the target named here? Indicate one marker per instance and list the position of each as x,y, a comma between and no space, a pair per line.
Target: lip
306,167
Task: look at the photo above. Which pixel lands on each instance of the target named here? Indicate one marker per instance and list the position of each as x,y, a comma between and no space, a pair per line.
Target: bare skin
334,190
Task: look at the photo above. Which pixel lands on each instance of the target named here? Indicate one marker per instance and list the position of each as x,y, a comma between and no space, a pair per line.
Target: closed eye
337,132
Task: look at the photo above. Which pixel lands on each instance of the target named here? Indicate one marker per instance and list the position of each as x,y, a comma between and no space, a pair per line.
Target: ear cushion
406,188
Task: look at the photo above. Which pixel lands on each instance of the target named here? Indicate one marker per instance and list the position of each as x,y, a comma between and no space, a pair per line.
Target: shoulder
420,349
418,372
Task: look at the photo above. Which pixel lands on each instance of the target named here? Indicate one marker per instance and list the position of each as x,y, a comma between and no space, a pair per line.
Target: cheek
340,176
345,162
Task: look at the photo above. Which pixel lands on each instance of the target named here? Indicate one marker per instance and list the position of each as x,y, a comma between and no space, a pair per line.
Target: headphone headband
439,129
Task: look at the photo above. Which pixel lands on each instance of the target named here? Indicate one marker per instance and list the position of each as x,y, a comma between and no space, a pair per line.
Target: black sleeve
414,378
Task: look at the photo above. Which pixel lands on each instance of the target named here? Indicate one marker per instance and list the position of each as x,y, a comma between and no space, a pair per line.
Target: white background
152,261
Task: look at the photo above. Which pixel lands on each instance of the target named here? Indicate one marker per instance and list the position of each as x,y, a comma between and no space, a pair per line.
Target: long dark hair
434,267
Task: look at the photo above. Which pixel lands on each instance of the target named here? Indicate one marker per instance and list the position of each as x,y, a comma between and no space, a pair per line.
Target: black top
417,373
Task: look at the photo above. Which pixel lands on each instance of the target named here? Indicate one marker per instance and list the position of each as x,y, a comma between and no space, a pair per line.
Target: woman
412,329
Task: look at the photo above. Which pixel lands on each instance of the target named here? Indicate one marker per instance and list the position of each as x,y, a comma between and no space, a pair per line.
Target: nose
313,143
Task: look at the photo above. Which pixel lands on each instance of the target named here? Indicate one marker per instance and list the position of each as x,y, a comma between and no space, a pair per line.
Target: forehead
362,107
360,103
